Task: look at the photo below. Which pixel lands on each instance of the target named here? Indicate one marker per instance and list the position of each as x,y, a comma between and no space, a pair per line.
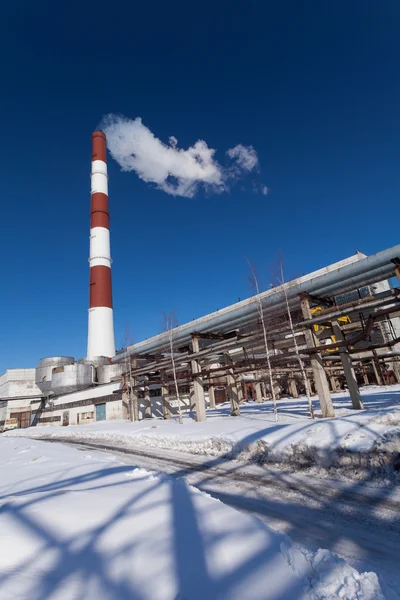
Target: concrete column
348,368
165,398
198,384
232,388
396,370
240,392
211,396
383,368
293,387
133,395
126,403
321,382
365,374
259,395
376,368
332,381
147,403
277,389
308,385
263,389
135,404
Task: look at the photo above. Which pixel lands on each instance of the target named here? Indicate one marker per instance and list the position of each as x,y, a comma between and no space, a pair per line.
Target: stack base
101,332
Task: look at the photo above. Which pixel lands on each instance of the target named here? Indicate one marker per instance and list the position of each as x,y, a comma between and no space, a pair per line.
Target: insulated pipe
358,281
272,302
101,322
330,281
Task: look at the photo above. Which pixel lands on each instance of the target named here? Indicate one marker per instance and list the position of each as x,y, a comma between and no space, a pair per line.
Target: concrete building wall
20,403
18,382
76,408
17,389
3,413
115,410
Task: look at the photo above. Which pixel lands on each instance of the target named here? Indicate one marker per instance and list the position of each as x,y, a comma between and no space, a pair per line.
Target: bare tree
133,408
264,330
306,382
170,324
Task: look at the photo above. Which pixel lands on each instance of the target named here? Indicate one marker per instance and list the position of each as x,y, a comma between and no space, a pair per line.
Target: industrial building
335,328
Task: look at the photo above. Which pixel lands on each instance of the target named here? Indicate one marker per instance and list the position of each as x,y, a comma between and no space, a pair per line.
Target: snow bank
74,526
355,442
329,576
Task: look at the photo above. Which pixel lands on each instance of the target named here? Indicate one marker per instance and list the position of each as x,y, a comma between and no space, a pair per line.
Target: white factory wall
93,392
3,413
79,415
84,413
18,382
17,389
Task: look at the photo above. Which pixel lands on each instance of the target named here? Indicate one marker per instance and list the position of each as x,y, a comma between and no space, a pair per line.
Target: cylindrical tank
43,373
106,373
71,378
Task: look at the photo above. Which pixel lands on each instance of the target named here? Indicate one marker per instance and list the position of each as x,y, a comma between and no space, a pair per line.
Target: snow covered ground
354,442
80,526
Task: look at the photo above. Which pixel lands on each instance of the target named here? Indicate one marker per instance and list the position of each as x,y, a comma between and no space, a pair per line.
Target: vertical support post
211,395
263,389
125,400
165,397
232,388
364,374
293,387
133,392
321,381
348,369
240,392
277,389
396,369
147,402
332,381
134,400
377,369
259,395
198,384
384,373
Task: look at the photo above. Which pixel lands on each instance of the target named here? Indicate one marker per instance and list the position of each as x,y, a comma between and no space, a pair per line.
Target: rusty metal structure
226,349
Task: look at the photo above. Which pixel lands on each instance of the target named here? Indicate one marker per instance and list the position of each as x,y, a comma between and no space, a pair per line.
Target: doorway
100,412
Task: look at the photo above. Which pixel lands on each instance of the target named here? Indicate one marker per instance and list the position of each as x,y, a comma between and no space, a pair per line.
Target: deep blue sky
313,86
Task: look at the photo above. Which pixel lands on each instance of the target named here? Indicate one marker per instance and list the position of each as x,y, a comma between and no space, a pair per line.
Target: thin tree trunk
131,407
264,329
171,349
296,348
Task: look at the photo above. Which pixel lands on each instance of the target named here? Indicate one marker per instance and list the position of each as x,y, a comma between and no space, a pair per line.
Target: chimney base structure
101,321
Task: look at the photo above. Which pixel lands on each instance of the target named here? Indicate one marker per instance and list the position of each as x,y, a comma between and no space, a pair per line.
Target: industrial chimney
101,322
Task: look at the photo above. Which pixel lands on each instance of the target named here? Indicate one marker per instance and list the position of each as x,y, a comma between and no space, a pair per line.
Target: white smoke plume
245,156
172,169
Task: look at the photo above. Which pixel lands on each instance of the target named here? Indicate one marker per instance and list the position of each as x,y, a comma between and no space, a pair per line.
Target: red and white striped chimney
101,321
